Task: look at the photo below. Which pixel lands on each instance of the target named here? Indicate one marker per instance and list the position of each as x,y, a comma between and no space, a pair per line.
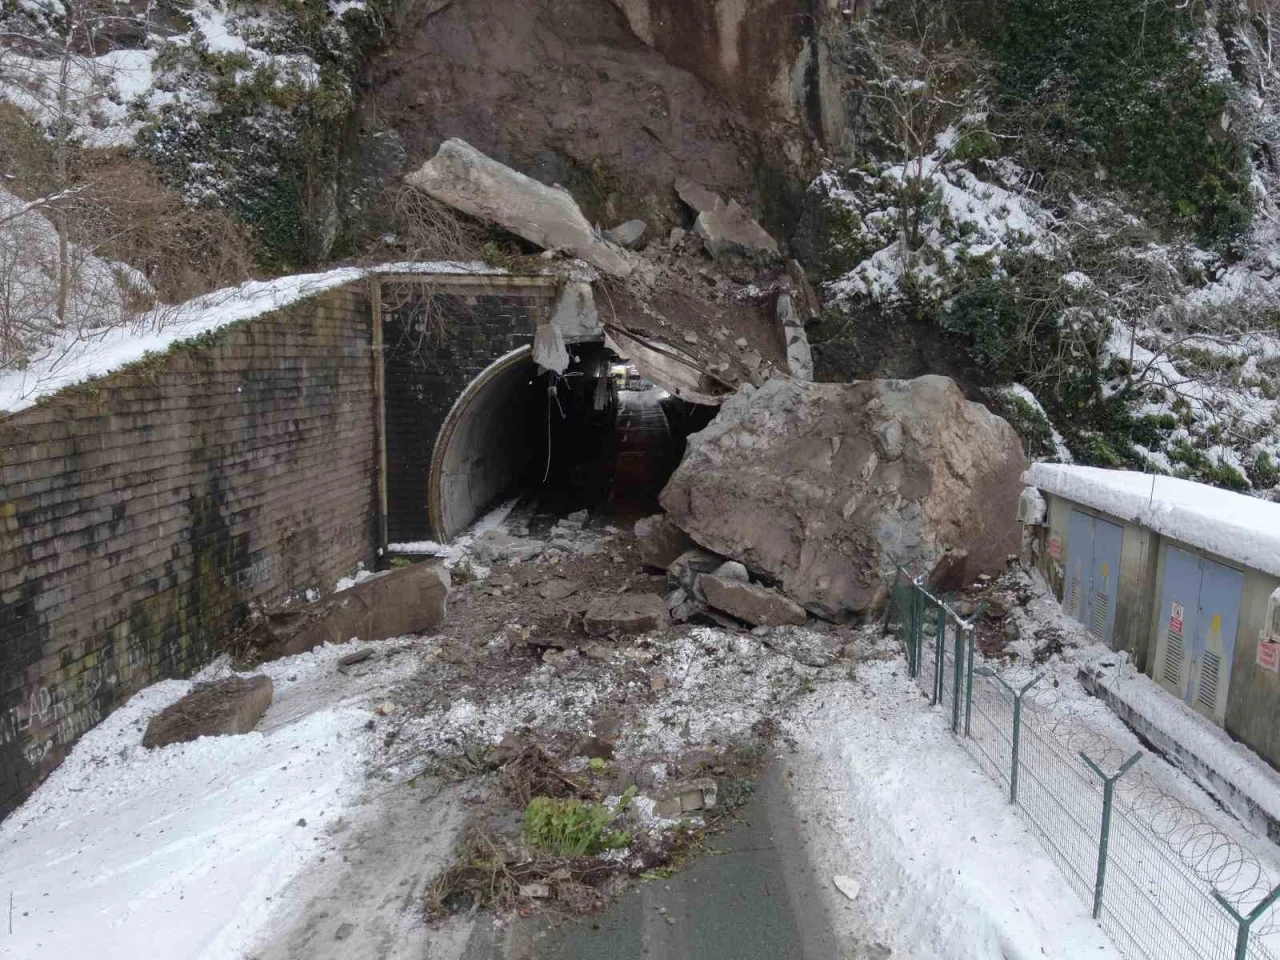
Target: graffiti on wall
54,716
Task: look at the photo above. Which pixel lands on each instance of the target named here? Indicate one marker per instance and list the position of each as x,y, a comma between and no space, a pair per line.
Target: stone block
629,613
225,708
751,603
660,541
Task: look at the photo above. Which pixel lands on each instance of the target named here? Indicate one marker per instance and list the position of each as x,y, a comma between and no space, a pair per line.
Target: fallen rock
751,603
627,235
627,614
799,353
732,570
688,796
351,659
495,546
848,886
681,607
726,229
412,599
684,569
223,708
660,541
557,590
464,178
828,488
948,574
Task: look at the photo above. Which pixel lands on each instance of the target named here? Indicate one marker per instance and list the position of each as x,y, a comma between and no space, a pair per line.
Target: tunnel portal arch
482,450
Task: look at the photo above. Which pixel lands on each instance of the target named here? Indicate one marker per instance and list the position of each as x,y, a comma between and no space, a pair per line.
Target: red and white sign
1055,548
1175,619
1269,656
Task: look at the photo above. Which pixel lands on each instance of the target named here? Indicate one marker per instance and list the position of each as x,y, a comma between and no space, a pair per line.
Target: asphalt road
758,899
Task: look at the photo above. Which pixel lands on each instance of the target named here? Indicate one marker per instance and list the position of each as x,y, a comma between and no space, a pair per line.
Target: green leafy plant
571,828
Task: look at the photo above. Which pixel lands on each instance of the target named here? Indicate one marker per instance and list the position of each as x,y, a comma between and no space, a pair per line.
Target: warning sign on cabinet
1269,656
1175,619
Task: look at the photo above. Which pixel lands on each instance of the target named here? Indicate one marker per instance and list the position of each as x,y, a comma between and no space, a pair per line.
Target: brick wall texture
142,512
438,339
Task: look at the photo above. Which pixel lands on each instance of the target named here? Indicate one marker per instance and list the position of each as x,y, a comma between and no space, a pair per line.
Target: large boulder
828,488
223,708
464,178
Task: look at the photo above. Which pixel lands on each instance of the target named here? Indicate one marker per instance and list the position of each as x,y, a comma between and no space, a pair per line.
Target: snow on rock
178,852
947,868
75,358
1240,528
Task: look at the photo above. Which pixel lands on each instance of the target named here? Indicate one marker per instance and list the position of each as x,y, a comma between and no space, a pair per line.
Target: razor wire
1167,859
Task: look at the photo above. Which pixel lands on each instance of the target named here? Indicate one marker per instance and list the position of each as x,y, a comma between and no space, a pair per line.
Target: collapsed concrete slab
464,178
827,488
224,708
409,600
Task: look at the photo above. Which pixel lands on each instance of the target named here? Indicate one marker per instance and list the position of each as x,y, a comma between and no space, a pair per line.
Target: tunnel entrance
596,437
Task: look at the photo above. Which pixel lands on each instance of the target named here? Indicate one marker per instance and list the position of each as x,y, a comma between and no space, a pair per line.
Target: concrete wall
1136,581
439,337
141,513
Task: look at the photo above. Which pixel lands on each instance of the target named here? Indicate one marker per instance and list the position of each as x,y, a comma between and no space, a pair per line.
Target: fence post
1017,724
940,656
959,675
1245,921
1108,797
968,697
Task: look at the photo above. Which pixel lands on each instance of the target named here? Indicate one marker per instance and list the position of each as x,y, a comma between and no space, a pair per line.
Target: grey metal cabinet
1093,573
1199,619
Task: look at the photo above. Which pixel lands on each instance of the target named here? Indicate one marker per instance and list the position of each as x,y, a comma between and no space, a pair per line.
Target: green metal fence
1151,902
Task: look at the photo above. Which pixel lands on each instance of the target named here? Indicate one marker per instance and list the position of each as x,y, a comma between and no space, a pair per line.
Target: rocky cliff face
616,100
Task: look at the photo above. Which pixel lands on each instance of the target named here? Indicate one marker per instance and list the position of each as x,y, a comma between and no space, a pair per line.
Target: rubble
683,571
660,541
627,235
827,489
223,708
726,229
494,546
688,796
751,603
464,178
629,613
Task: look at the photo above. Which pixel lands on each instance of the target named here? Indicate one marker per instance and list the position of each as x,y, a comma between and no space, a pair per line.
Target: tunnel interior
596,437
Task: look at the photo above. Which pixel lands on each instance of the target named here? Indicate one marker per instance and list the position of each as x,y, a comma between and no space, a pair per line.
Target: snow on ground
1237,768
179,852
1240,528
78,356
947,868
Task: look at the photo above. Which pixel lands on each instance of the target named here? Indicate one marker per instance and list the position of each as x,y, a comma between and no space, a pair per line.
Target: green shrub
1263,473
571,828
